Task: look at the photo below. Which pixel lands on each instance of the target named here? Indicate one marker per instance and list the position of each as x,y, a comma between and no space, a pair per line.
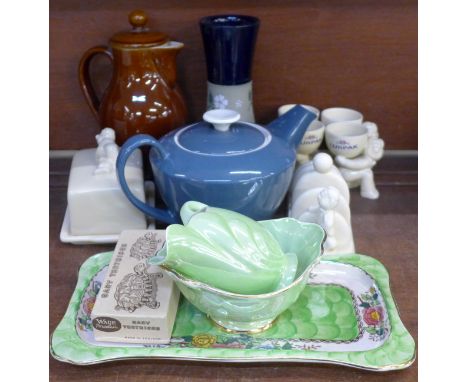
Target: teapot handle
127,149
85,79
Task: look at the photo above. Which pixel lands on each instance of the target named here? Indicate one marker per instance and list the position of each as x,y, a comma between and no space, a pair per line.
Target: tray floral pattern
372,336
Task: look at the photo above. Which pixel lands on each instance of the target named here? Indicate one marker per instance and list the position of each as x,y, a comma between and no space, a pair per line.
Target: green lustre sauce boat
226,250
262,267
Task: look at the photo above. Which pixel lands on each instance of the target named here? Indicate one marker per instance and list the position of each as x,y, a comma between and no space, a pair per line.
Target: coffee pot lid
140,33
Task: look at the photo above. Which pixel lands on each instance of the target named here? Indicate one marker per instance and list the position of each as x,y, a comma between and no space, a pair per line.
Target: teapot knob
138,18
221,119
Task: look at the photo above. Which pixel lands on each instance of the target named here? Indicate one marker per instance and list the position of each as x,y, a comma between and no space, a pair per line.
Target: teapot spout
291,126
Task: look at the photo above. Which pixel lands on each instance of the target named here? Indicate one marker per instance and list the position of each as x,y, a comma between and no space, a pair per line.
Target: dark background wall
356,53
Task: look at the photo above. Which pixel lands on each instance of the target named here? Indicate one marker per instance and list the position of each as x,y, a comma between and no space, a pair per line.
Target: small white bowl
313,136
348,139
341,114
285,108
312,139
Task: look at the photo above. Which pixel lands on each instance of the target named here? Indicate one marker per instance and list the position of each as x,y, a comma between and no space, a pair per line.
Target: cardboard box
137,303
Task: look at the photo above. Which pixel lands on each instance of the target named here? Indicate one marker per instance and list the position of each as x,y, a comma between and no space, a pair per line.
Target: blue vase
229,42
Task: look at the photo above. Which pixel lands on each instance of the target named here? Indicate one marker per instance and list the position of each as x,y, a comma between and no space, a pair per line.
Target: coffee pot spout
292,125
165,60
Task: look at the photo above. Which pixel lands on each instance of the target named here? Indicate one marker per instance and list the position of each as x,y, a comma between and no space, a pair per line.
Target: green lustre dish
227,251
345,315
232,249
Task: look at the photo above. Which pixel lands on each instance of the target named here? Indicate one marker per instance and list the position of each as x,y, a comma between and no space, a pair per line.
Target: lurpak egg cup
313,136
348,139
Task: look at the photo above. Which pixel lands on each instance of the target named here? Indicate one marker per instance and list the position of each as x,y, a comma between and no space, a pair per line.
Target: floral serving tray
346,315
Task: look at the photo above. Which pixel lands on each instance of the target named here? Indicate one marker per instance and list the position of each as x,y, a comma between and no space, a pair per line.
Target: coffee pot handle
85,79
127,149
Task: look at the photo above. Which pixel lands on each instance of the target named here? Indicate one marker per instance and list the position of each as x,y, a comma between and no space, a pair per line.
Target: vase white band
234,97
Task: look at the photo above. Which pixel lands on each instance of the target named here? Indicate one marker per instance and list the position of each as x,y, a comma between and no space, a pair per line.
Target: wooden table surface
386,229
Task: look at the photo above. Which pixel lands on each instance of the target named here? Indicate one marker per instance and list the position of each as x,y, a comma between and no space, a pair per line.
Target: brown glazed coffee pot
143,96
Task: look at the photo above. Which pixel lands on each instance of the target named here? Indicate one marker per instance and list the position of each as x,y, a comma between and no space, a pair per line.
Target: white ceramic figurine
319,194
328,200
106,152
358,171
324,214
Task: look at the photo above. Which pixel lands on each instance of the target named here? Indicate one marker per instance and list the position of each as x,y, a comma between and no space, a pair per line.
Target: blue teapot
221,162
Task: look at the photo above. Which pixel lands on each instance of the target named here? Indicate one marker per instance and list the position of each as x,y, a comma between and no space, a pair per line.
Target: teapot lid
140,33
220,134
